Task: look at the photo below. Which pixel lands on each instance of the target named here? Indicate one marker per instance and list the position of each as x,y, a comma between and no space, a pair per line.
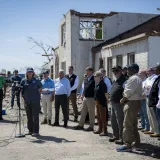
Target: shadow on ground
147,150
42,139
8,121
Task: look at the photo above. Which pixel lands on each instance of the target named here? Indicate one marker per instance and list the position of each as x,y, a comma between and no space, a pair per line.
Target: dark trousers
61,100
17,94
1,100
117,118
32,110
158,117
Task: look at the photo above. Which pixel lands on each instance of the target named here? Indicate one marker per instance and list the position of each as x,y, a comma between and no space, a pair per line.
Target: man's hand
82,96
122,101
52,98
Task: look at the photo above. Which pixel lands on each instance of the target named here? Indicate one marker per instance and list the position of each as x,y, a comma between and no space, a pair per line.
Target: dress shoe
65,125
29,133
1,119
97,132
120,142
89,129
49,122
113,139
155,135
103,134
75,119
35,134
44,121
55,124
148,132
78,128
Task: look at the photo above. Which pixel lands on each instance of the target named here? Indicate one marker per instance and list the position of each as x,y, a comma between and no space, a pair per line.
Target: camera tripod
20,135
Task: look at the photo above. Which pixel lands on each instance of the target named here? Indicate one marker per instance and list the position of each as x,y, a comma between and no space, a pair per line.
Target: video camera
16,86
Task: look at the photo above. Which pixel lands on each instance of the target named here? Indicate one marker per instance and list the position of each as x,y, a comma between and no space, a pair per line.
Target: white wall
65,52
121,22
140,49
154,50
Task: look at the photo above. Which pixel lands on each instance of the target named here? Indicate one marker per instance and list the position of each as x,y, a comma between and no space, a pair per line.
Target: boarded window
91,29
131,58
109,68
101,63
51,72
63,34
63,66
119,60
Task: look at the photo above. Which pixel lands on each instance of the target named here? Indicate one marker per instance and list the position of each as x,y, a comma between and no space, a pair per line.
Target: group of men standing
129,94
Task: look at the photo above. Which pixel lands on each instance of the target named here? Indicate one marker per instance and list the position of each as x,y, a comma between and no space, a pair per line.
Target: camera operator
15,91
2,93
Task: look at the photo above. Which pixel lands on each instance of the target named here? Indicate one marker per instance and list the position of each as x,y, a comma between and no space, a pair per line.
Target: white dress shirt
108,83
147,85
158,104
75,86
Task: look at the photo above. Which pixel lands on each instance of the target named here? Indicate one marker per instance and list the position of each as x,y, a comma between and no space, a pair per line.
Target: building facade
79,32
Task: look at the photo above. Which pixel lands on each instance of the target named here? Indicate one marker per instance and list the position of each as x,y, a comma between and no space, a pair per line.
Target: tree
47,49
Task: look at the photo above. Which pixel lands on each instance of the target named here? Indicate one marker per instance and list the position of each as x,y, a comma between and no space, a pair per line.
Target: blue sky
40,19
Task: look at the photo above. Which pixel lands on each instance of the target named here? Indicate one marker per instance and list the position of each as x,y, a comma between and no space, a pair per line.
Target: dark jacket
89,88
99,93
117,89
72,81
153,96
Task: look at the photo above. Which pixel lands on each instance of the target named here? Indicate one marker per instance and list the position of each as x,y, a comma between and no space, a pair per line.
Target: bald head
61,73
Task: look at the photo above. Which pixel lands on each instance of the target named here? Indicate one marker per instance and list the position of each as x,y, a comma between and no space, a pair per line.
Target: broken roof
149,27
92,15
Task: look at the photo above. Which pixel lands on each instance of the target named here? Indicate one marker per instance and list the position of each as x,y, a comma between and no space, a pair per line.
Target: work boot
49,122
44,121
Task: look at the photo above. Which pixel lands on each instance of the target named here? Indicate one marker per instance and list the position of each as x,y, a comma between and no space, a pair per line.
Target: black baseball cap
46,72
133,66
16,71
117,68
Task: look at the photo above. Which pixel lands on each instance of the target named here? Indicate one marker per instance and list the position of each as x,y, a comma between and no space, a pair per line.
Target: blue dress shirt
62,86
49,84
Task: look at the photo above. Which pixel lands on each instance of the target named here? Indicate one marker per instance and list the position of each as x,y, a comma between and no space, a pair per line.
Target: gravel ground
58,143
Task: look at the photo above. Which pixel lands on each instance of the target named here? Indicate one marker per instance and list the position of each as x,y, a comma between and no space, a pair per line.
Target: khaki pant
47,106
88,106
101,117
73,99
152,118
130,132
